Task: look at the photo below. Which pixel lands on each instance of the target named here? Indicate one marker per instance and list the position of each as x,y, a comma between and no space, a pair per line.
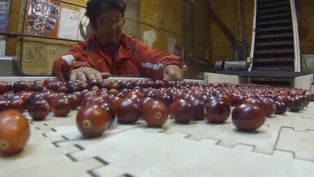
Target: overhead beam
222,26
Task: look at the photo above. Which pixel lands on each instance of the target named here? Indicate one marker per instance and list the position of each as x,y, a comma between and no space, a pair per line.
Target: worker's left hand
173,73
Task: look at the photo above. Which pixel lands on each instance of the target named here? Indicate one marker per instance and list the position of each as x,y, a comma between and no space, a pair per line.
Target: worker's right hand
86,73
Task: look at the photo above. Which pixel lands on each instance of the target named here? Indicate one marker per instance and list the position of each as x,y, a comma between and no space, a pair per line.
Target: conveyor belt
283,145
273,37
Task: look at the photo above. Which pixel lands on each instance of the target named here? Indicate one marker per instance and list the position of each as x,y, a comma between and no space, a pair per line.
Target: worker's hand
86,73
173,73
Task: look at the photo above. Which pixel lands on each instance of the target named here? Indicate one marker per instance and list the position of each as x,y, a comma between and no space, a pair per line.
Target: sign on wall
68,20
42,18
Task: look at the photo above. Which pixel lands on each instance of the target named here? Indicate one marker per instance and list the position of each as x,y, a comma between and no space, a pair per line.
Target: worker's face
109,26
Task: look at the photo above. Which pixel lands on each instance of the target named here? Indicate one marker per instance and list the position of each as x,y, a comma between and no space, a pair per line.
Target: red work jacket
133,59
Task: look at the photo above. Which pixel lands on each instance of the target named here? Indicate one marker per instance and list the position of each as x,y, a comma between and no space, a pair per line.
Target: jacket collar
123,51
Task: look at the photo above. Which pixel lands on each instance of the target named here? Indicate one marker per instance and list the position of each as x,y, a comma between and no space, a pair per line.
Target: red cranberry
155,113
4,104
128,112
248,117
166,98
96,100
197,109
145,100
61,106
217,111
92,121
63,89
74,101
39,109
46,81
35,96
281,108
22,86
283,99
225,98
50,96
269,106
73,87
17,104
134,97
37,87
296,104
253,101
14,132
9,95
109,109
181,111
5,87
238,99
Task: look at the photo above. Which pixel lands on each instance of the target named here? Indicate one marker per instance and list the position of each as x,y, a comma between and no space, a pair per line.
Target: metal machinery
275,50
9,66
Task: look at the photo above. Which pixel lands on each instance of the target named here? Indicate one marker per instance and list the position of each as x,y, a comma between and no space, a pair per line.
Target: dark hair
97,7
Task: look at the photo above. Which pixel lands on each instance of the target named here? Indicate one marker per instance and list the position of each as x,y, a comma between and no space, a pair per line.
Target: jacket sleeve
152,62
73,59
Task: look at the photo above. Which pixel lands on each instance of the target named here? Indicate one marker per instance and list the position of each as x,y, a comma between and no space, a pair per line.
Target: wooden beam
222,26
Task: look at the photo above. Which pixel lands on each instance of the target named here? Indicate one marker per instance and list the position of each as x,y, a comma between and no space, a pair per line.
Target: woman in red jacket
109,52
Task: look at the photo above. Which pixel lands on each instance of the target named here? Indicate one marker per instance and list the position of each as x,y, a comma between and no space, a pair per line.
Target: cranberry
181,111
155,113
61,106
217,111
128,112
296,104
14,132
92,121
248,117
39,109
281,108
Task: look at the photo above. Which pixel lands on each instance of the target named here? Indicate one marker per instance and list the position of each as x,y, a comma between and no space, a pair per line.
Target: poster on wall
4,19
4,15
2,45
43,18
33,58
53,53
4,6
69,22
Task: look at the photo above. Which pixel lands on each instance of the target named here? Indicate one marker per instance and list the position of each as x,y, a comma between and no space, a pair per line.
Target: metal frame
13,79
297,55
303,82
253,35
242,19
9,34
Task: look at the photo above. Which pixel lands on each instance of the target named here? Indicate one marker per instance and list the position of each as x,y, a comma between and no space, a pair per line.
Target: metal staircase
275,41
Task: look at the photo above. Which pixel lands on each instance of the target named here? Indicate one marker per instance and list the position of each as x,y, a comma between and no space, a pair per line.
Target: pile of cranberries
100,104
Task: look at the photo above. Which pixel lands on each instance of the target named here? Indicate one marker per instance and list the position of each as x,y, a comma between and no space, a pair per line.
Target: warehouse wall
306,26
161,23
228,11
163,20
203,33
